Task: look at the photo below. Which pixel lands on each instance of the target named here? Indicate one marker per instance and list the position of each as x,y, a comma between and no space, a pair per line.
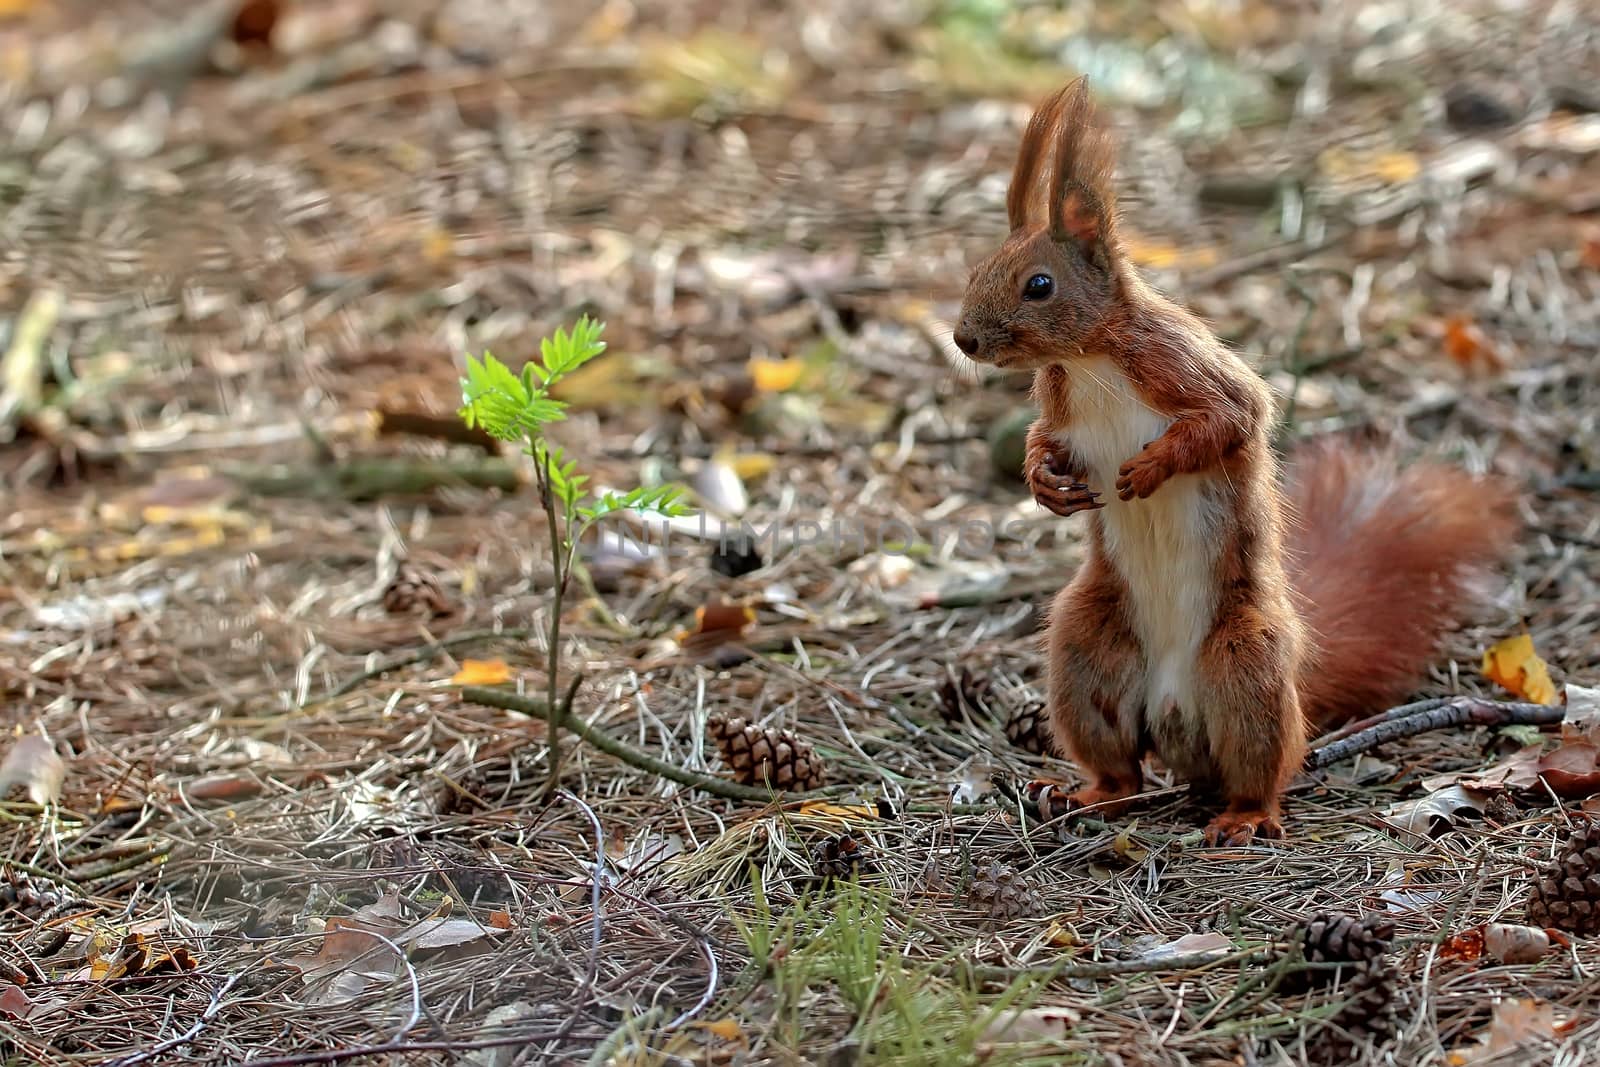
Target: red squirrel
1219,616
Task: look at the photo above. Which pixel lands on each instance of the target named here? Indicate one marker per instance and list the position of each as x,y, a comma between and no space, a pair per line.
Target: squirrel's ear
1082,204
1026,196
1077,217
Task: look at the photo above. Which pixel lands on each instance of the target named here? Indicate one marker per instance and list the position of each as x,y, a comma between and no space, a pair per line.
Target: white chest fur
1165,546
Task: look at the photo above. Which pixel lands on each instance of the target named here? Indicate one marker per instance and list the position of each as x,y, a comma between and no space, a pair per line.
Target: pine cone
1029,731
1566,894
1328,937
766,757
1003,892
1502,810
840,857
31,898
1367,1016
416,592
965,692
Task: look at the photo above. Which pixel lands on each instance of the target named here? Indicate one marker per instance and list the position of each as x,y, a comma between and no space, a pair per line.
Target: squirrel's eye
1038,288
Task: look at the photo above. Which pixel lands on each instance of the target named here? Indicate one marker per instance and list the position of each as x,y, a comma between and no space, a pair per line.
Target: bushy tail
1384,561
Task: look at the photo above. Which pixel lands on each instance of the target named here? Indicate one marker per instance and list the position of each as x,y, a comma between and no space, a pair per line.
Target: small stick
497,698
389,422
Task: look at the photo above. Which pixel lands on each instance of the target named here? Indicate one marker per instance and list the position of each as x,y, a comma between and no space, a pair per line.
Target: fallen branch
370,478
1426,716
721,787
389,422
1189,961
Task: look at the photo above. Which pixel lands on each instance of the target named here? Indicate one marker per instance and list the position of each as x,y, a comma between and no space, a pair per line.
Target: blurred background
245,245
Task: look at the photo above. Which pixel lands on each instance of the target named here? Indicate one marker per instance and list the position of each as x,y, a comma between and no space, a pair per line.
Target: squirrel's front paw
1141,476
1061,493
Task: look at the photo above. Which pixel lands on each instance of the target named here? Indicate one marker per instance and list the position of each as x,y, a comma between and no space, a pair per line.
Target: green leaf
660,500
565,352
664,500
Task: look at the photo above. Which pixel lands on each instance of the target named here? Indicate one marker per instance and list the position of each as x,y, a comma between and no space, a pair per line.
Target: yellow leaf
609,23
1396,167
12,8
727,1029
437,245
1059,936
752,465
482,672
1163,255
1514,664
776,375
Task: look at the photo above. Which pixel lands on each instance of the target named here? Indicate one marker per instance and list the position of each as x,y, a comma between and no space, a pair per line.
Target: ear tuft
1027,194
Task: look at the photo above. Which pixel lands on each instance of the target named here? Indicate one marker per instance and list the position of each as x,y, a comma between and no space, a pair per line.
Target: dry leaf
33,764
1031,1025
608,24
1059,936
223,787
1572,771
1582,721
1469,346
500,920
1433,814
437,245
254,22
1517,1024
347,944
14,1002
1163,255
432,934
1514,664
753,465
717,623
1393,168
727,1029
1515,944
776,375
1589,250
482,672
1466,946
1189,944
1124,847
1396,168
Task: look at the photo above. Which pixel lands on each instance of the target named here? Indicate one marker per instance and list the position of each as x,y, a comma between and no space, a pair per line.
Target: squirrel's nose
965,339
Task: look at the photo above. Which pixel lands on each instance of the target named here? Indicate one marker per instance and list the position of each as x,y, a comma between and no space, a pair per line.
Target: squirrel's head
1042,297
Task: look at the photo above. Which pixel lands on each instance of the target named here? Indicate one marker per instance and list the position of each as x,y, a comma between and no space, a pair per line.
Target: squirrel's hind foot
1241,827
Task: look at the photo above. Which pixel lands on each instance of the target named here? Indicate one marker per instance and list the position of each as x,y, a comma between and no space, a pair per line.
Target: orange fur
1383,561
1212,621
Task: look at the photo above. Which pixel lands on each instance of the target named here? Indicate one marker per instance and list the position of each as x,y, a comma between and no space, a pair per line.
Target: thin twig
188,1035
596,882
498,698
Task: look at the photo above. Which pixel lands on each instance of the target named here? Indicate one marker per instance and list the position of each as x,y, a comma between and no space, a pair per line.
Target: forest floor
242,561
